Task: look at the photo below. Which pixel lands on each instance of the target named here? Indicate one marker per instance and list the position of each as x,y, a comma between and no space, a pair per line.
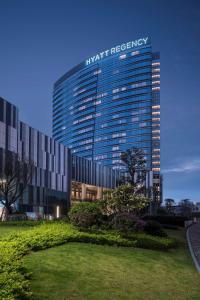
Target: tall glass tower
110,103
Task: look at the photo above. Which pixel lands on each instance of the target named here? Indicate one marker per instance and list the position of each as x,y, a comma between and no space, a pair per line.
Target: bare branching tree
169,204
135,161
15,176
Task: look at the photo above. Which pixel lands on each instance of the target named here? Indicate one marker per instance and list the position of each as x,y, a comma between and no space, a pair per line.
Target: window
156,76
97,72
156,150
100,156
122,141
142,111
119,134
82,107
156,131
135,53
98,139
115,116
118,154
143,124
156,64
115,148
88,147
156,169
156,163
135,119
155,113
115,161
155,70
97,102
122,121
123,56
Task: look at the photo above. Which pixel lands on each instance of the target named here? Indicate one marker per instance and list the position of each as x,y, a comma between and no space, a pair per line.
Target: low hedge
168,220
14,283
25,223
154,228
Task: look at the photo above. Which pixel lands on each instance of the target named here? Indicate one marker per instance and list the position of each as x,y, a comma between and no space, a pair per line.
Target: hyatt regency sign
117,49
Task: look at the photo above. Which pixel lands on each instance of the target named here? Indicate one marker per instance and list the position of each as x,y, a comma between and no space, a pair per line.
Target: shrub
154,228
28,223
127,222
85,214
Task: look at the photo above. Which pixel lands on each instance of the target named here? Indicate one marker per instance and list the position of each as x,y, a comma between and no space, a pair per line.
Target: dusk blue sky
41,40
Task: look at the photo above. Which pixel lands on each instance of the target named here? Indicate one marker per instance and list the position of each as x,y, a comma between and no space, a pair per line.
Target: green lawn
92,272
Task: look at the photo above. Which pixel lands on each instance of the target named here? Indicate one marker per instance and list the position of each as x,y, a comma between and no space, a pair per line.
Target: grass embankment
87,272
83,271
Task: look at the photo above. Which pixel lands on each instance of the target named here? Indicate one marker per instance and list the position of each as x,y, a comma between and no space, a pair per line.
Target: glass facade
109,103
55,168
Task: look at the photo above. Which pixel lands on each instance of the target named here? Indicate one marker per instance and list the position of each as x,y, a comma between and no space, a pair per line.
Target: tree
136,164
168,204
15,175
186,207
124,199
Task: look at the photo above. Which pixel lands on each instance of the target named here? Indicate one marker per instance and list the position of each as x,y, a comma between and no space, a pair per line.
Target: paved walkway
193,238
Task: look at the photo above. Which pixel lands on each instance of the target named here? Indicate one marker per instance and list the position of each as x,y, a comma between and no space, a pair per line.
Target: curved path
193,238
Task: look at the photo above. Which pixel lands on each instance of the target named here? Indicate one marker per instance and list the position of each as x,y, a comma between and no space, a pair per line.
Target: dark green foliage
161,211
171,220
85,214
154,228
29,223
154,242
127,222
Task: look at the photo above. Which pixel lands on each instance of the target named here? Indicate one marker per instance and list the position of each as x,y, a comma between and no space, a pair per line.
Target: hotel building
110,103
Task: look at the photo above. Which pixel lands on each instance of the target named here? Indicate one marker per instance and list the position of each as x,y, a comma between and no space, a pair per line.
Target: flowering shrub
85,214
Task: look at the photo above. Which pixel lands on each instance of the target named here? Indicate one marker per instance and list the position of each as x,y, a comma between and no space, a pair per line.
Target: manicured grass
14,283
94,272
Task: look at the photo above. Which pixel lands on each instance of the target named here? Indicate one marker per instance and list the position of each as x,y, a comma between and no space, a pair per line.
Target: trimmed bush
85,214
154,242
27,223
154,228
127,222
